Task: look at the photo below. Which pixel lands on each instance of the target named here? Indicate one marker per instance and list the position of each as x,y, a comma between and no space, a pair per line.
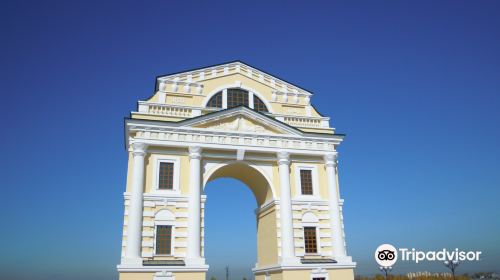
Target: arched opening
237,97
235,195
230,229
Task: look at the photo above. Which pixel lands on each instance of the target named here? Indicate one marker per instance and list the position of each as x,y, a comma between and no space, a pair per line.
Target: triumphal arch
232,120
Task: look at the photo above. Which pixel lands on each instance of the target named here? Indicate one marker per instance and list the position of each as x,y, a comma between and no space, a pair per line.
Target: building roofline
224,63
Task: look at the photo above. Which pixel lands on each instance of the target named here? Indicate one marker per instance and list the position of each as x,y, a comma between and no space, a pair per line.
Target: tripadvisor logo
386,255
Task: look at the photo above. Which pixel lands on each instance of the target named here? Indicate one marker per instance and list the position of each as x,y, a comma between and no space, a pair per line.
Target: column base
131,262
293,261
195,262
343,260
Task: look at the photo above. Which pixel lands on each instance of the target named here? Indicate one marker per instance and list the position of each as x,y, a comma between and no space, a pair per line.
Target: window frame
160,163
316,232
251,95
310,219
302,185
256,99
156,174
172,238
238,94
214,97
170,220
298,183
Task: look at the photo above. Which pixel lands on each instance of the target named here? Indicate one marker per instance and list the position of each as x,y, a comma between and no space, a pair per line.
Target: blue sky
414,85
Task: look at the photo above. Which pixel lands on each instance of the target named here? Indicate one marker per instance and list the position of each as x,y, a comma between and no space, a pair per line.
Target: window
163,240
258,105
306,184
215,101
319,278
310,240
166,176
236,97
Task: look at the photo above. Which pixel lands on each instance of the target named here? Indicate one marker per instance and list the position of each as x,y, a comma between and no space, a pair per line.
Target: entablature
156,134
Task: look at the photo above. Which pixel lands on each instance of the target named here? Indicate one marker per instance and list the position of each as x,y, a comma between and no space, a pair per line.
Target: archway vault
251,175
256,179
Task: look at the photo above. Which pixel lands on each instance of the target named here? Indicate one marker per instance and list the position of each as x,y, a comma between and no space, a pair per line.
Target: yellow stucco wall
267,243
295,177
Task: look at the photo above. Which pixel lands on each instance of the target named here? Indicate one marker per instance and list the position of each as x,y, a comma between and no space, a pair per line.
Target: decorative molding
283,157
331,159
157,160
184,112
239,124
298,183
139,148
194,152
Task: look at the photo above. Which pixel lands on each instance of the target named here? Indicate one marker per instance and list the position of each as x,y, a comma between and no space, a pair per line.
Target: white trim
298,183
172,238
224,99
309,219
226,145
157,159
190,268
250,100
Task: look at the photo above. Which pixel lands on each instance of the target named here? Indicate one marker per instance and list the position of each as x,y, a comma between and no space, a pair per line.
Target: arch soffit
218,166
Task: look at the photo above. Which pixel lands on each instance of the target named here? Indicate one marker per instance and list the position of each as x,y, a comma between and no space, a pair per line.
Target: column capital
139,148
194,152
283,157
331,159
162,86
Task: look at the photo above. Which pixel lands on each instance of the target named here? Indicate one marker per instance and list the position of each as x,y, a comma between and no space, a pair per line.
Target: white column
224,99
250,99
134,226
338,252
194,219
287,242
161,92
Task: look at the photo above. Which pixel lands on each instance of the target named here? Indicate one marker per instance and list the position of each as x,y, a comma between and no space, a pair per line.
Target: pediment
239,123
240,119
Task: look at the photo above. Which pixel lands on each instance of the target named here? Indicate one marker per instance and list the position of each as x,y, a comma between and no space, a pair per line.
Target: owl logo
386,255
